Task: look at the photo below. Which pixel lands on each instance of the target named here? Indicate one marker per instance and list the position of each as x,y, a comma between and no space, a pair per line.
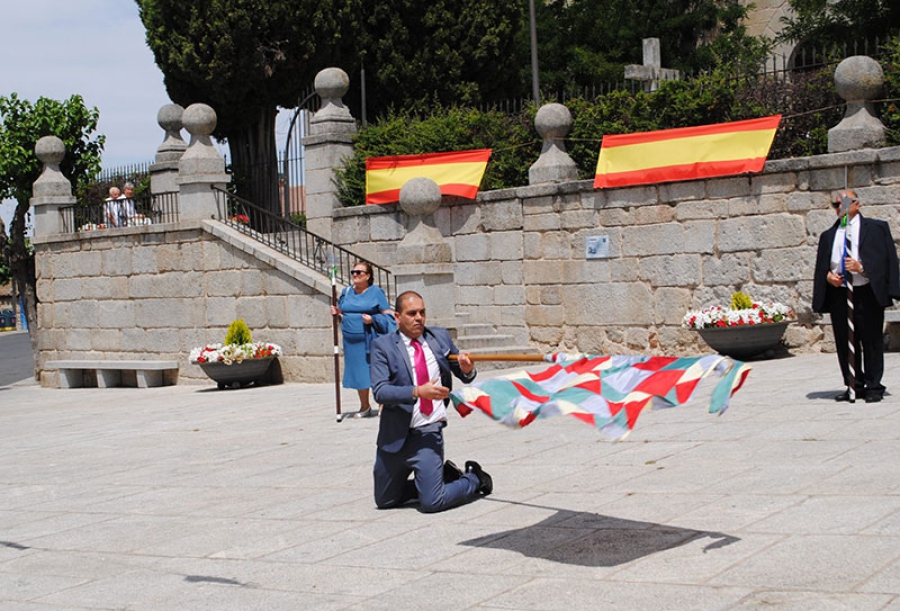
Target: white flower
717,316
233,353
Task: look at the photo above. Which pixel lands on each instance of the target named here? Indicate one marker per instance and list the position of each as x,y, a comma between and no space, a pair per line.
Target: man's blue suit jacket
393,381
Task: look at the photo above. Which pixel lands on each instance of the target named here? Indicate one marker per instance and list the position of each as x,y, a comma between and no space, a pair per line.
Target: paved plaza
187,498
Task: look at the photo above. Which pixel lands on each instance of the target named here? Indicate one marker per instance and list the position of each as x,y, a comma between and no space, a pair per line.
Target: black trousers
868,324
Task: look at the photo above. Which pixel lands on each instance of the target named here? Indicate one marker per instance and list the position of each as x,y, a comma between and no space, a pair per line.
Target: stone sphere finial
50,150
169,118
859,78
553,121
420,196
199,120
332,83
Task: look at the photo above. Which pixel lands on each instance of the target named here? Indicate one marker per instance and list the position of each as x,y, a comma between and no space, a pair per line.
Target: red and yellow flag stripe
456,173
685,153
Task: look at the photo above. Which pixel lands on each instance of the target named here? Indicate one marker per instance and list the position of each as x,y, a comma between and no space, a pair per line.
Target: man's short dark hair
398,303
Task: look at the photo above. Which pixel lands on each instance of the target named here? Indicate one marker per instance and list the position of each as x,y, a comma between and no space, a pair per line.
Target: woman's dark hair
368,267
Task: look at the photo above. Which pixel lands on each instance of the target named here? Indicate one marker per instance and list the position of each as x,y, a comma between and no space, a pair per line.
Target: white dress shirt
438,412
837,250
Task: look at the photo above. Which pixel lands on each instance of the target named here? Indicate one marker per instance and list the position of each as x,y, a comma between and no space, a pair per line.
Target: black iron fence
295,241
141,210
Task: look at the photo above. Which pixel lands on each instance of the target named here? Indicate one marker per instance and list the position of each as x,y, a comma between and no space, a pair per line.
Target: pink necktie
425,405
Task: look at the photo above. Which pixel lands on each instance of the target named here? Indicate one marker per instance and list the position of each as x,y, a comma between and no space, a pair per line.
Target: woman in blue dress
365,313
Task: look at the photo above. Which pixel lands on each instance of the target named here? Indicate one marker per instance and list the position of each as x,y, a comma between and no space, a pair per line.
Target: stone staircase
480,338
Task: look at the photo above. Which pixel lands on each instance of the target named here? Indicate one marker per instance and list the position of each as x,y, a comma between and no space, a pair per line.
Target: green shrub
238,333
807,99
298,218
741,301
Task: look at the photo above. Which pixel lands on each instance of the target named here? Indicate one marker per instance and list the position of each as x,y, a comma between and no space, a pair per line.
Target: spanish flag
456,173
685,153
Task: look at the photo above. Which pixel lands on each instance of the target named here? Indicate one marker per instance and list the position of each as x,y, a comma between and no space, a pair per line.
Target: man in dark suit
870,263
411,377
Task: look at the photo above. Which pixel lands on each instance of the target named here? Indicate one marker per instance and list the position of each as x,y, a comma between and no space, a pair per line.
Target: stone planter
745,341
248,371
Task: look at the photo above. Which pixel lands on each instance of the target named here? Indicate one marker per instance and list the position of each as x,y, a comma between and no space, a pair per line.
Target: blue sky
95,48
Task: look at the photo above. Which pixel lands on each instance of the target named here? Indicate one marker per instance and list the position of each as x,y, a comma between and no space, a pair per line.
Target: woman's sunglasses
357,272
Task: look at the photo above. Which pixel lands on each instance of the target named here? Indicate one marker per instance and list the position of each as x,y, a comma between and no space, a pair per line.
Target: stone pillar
201,166
553,122
52,190
164,172
858,80
330,142
425,256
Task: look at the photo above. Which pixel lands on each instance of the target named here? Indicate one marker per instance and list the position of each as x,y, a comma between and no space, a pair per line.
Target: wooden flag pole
537,358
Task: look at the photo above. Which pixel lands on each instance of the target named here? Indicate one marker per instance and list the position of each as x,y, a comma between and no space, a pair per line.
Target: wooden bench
106,374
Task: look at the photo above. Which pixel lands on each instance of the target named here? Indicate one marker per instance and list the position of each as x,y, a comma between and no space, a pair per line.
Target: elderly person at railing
118,208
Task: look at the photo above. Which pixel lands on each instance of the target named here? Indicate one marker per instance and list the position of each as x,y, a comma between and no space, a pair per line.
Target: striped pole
848,281
332,271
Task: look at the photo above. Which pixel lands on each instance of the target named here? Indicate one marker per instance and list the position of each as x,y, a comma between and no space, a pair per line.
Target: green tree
443,52
22,124
824,23
5,276
583,43
245,59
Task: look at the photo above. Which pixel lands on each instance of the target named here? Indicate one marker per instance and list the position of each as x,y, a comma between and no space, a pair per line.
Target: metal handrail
295,241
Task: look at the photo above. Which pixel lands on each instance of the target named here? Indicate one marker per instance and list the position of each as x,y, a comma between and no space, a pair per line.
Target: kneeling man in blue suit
411,377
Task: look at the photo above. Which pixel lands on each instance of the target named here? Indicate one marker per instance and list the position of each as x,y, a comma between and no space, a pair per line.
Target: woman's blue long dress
356,344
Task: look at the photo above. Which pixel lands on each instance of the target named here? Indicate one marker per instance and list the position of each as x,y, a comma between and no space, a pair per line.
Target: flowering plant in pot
743,312
745,329
238,360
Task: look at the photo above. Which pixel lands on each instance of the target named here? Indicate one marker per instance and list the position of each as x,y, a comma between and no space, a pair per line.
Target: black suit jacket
393,381
879,258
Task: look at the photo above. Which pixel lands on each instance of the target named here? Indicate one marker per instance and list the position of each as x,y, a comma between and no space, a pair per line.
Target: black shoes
844,396
871,396
451,472
485,483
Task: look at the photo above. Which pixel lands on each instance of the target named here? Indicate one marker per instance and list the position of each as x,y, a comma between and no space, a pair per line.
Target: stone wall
156,292
519,257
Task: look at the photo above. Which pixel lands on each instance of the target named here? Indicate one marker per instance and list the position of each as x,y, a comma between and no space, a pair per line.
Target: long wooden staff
539,358
337,350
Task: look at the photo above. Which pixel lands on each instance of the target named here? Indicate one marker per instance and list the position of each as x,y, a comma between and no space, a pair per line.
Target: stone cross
651,72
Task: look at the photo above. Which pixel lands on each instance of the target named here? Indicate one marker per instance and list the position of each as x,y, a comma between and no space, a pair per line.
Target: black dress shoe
873,398
451,472
485,483
845,396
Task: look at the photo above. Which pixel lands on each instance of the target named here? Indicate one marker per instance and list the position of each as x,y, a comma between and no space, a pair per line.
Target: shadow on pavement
590,539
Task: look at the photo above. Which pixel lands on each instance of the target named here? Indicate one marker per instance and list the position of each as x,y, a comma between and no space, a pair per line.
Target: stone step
471,342
467,329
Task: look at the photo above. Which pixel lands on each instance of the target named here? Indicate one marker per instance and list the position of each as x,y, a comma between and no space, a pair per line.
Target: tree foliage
582,43
244,59
22,124
807,100
825,23
451,129
418,54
